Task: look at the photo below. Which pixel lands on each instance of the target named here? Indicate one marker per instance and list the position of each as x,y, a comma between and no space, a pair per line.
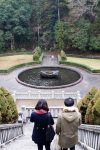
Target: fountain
49,74
49,77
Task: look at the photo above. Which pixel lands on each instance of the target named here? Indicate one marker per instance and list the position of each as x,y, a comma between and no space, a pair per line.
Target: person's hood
70,113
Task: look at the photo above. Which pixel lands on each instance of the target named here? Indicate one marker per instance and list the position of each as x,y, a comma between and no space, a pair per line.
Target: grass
7,62
91,63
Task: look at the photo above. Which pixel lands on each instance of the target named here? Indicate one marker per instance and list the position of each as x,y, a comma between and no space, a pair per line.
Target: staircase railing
9,132
89,136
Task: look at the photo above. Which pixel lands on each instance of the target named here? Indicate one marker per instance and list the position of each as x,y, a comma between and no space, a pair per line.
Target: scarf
41,111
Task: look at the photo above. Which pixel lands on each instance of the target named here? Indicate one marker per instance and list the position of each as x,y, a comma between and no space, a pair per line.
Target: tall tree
17,26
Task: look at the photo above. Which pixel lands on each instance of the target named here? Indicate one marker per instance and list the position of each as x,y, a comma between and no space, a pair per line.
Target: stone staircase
25,142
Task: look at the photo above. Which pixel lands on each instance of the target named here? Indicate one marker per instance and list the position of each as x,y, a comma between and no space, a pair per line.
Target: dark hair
69,102
42,104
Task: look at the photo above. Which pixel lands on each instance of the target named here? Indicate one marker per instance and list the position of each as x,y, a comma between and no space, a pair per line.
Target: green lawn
7,62
91,63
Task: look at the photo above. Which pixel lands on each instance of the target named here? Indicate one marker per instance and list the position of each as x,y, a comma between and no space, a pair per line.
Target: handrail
89,136
9,132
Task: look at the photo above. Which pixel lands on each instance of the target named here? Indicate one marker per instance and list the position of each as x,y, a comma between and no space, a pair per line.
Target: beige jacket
67,127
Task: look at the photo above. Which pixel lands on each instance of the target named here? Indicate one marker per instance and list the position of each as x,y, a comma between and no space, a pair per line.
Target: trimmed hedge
63,55
37,53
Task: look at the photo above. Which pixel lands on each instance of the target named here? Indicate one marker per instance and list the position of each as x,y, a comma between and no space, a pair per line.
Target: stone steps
25,142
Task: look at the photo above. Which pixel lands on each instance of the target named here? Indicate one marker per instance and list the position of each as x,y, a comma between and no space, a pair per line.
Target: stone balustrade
46,95
89,136
26,112
9,132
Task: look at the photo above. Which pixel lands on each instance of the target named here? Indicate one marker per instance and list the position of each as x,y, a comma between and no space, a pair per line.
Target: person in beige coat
67,125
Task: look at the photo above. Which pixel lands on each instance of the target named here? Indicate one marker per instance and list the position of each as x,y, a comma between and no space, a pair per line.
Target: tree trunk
12,44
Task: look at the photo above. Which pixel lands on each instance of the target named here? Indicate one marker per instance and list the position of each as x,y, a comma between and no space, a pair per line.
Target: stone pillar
23,108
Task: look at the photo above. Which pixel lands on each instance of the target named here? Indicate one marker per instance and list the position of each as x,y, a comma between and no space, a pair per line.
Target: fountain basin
32,77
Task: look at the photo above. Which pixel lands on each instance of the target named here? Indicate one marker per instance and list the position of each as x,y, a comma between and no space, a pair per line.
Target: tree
91,116
95,43
61,34
95,35
62,8
85,102
2,42
15,21
80,34
96,112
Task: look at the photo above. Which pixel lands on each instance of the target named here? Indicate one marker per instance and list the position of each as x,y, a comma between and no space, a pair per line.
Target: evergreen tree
8,109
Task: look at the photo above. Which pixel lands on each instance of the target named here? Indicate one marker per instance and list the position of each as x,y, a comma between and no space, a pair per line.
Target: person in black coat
40,118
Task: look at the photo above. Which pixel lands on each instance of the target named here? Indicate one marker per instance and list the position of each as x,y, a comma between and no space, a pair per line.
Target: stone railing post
14,95
78,95
24,113
52,94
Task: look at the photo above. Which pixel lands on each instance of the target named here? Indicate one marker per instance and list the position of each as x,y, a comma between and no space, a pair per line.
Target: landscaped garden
93,65
33,29
63,37
7,62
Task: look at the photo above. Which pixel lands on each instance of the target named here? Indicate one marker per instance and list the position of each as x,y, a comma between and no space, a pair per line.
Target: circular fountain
49,77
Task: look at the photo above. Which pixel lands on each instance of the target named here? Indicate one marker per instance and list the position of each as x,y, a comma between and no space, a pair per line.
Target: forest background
69,25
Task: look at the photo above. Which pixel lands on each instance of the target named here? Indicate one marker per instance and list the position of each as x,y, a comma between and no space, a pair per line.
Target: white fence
51,94
89,136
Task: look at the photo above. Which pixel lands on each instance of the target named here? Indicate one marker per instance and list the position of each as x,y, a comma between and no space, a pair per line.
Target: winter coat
40,124
67,127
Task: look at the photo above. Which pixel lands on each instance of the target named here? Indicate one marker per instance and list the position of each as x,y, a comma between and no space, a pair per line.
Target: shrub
8,109
38,50
85,102
89,117
37,53
96,112
63,55
36,56
95,42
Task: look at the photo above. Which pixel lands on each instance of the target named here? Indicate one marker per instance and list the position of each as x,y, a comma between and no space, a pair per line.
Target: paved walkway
89,80
25,142
50,60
